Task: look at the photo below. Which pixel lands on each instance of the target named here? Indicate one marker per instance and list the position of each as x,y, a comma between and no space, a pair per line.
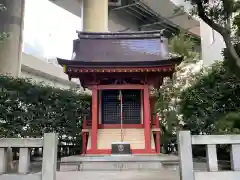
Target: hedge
29,109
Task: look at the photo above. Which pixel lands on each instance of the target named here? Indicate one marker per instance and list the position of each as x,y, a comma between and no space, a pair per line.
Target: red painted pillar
147,129
94,118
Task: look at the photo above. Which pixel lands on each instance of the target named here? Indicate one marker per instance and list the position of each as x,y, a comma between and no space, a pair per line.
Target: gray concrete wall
41,71
119,21
212,44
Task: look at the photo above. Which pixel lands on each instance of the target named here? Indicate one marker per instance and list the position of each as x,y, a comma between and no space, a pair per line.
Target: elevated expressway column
95,15
11,21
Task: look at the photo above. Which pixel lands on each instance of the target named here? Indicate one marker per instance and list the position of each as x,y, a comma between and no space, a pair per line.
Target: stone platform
119,163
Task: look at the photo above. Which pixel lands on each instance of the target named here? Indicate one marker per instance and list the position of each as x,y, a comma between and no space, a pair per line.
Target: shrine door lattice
111,107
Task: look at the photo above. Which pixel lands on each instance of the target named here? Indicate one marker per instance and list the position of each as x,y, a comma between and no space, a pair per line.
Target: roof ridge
120,35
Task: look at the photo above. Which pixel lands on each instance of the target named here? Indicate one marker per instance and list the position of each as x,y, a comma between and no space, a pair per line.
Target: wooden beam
120,86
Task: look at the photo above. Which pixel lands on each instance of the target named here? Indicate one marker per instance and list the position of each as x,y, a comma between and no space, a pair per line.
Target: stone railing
185,142
49,144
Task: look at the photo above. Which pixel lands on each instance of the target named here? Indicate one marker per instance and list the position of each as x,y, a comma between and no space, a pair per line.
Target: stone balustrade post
49,164
3,160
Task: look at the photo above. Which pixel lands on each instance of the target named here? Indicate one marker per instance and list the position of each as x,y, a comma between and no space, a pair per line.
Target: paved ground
110,175
114,175
101,175
162,174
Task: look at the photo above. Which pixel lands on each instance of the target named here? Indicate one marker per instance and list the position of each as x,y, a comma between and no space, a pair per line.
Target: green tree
229,124
183,45
224,17
209,104
168,96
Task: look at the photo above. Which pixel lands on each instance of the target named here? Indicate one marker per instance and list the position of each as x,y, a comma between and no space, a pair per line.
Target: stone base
119,163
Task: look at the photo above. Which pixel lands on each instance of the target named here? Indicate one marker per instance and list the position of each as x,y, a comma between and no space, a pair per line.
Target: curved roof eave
105,64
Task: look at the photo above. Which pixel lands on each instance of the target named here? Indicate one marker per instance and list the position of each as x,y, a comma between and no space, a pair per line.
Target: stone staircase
135,137
120,163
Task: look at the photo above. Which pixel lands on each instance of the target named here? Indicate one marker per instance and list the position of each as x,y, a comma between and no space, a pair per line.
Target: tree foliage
168,96
3,35
228,124
29,110
224,17
183,45
208,105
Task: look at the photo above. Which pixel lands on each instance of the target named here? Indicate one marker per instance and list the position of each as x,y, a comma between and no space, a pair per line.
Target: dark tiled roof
139,46
138,49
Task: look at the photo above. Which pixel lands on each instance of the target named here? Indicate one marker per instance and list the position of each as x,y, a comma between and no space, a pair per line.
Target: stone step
135,137
107,136
120,163
112,166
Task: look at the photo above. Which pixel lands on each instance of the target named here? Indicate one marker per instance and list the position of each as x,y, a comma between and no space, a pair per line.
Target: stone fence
185,142
48,143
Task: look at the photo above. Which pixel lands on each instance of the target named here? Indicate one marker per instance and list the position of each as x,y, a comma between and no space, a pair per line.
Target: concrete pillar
95,15
24,161
3,161
11,21
49,164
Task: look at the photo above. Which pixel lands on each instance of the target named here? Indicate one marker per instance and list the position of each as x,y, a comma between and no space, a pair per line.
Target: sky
49,30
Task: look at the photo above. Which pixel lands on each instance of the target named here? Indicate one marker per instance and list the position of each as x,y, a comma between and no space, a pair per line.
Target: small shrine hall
121,70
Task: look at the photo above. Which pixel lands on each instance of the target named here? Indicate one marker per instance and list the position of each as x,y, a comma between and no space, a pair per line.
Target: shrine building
121,70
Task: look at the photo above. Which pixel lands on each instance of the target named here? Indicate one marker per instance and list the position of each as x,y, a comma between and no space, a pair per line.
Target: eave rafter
70,70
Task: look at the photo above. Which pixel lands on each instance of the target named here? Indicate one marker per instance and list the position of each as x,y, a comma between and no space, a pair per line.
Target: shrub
28,109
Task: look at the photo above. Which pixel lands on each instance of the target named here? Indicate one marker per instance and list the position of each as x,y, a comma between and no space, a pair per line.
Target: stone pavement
119,175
